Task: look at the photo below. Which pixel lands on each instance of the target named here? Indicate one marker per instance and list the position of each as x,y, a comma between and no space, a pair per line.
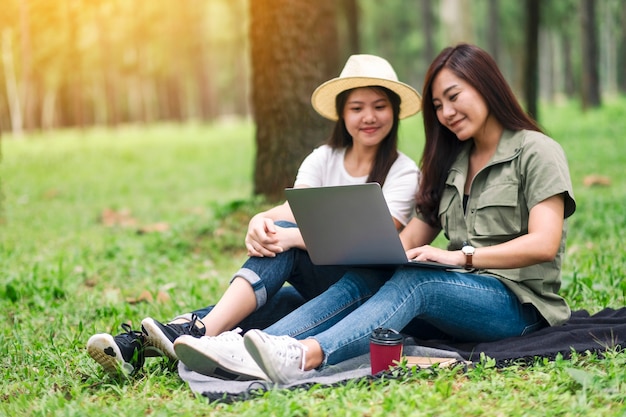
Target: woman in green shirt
500,191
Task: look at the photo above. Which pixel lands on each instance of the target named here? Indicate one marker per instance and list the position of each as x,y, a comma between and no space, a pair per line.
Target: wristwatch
468,251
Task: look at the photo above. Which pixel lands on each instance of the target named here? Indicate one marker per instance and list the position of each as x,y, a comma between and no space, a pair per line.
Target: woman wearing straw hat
366,101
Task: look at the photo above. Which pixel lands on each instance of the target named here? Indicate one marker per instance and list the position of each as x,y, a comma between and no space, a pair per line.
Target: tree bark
241,75
74,65
494,29
28,84
590,56
531,66
351,14
428,29
621,54
13,97
456,16
608,42
2,198
110,82
294,49
568,66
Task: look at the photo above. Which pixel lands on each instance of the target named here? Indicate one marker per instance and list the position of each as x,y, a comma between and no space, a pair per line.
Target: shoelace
292,349
194,330
230,335
188,328
129,337
131,345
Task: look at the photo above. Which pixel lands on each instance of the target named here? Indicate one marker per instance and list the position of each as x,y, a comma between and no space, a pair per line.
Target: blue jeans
463,306
286,300
267,277
328,309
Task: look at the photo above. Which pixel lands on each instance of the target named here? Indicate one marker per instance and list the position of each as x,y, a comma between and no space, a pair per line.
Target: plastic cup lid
382,336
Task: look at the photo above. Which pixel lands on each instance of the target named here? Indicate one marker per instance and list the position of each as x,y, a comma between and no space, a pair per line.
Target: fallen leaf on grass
155,227
162,297
51,194
594,179
123,218
145,296
91,282
110,217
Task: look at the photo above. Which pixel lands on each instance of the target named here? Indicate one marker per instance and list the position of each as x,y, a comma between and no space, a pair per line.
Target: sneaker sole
103,349
251,340
203,363
156,339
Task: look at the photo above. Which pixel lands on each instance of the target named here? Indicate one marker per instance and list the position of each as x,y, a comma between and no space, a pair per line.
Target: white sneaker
282,358
222,356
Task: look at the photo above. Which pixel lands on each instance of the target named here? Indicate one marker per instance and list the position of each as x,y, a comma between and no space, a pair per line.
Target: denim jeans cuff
324,355
186,316
260,292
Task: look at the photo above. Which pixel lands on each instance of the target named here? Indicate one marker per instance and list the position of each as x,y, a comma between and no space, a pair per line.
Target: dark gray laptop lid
346,225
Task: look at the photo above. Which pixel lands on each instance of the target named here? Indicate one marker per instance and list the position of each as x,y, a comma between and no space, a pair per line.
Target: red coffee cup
385,348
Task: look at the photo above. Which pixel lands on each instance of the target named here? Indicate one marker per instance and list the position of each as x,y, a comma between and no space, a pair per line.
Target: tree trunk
13,97
608,42
621,55
241,72
457,18
2,198
494,29
294,49
568,66
351,14
140,49
28,85
428,29
590,56
172,94
546,61
531,66
74,66
109,80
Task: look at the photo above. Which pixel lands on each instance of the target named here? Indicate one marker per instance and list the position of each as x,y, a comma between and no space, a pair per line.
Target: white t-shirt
325,167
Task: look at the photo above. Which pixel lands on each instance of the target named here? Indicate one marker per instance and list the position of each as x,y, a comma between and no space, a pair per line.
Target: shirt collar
508,147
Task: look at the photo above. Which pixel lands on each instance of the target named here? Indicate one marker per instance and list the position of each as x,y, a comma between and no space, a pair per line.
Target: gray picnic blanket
355,368
581,333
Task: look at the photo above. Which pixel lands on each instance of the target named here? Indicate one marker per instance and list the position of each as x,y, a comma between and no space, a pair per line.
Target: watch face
468,250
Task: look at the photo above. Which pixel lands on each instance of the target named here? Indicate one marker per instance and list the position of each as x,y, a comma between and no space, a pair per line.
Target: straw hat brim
323,98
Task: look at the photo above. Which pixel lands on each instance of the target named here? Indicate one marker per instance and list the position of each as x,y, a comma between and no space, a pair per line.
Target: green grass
65,275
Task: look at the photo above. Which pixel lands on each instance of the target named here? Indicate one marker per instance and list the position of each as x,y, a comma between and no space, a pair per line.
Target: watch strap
468,261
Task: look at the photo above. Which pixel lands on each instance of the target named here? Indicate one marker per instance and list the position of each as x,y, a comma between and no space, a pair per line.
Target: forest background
82,63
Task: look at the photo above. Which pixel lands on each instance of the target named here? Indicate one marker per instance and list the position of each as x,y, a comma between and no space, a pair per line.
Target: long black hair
480,70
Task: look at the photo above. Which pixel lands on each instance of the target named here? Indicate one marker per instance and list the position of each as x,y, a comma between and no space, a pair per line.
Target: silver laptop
349,225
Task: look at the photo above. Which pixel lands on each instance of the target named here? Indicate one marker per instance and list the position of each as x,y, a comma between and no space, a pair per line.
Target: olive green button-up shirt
527,168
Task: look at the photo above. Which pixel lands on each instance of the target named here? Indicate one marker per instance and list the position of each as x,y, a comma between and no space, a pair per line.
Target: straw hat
364,71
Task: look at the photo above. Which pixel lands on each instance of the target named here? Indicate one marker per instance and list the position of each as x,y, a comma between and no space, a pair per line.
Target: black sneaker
120,354
161,336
